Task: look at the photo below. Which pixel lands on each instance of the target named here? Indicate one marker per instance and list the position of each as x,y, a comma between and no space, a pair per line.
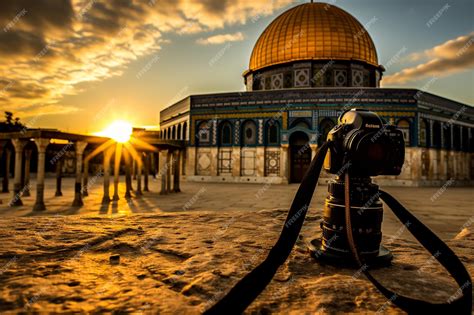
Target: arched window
324,127
204,132
423,133
404,126
249,133
225,134
179,132
185,129
273,133
436,135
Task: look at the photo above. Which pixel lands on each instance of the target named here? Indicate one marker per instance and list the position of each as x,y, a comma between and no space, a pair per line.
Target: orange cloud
49,47
451,57
221,39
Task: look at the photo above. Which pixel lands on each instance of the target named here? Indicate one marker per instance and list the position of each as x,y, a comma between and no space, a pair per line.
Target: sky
78,65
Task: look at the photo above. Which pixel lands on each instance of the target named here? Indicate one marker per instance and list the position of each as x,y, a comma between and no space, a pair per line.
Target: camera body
364,146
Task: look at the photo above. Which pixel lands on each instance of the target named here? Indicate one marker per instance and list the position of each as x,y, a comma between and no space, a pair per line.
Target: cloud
48,47
451,57
220,39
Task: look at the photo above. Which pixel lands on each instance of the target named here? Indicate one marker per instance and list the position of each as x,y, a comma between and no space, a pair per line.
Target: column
134,169
169,156
147,170
6,177
128,175
17,189
176,164
26,190
162,171
107,156
431,133
41,144
85,180
59,177
138,173
80,146
152,164
117,159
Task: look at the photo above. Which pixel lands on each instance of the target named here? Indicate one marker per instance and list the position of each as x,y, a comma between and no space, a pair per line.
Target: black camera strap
439,250
251,285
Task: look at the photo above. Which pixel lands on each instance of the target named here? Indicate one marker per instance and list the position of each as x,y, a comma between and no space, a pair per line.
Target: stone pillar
134,169
431,133
59,166
176,169
107,156
284,163
451,131
80,146
153,164
85,181
169,157
17,189
235,161
162,171
118,156
128,175
183,161
146,167
138,173
260,161
41,144
6,177
26,189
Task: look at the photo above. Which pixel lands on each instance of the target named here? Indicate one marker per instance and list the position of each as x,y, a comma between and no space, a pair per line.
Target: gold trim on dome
313,31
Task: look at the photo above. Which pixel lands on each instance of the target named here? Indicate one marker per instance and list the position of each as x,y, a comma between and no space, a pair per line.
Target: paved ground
444,210
180,252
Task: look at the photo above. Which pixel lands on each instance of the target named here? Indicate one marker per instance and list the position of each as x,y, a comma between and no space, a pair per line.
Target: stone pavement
180,252
444,210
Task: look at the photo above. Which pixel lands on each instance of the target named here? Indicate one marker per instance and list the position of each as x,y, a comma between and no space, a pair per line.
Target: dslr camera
371,147
361,145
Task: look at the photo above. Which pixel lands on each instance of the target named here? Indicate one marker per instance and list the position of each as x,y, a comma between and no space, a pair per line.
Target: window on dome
249,133
226,134
272,134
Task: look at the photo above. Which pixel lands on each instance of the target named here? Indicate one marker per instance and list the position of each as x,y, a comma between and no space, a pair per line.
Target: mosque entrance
300,156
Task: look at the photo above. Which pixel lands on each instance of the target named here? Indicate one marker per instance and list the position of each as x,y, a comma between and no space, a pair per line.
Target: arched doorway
300,156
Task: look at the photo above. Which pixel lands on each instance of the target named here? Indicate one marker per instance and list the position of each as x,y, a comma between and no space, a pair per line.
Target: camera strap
252,284
445,256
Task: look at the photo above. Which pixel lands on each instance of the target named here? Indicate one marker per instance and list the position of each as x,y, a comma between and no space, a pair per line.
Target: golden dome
313,31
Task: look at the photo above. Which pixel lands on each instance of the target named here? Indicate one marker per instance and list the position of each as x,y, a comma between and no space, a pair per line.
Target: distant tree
11,123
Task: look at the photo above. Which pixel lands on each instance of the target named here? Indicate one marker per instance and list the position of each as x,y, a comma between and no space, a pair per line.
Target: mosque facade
312,63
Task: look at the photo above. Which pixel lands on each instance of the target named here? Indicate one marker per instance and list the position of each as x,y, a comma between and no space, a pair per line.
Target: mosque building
310,64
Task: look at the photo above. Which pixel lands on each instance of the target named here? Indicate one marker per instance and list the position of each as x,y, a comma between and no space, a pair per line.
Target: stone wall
422,167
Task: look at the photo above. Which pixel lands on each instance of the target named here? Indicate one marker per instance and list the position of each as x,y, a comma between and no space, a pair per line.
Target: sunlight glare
119,130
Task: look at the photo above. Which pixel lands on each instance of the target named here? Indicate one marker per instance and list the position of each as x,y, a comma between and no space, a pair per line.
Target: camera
371,147
361,145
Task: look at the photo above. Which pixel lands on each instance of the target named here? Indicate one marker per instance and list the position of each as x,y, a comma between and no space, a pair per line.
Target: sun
119,130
